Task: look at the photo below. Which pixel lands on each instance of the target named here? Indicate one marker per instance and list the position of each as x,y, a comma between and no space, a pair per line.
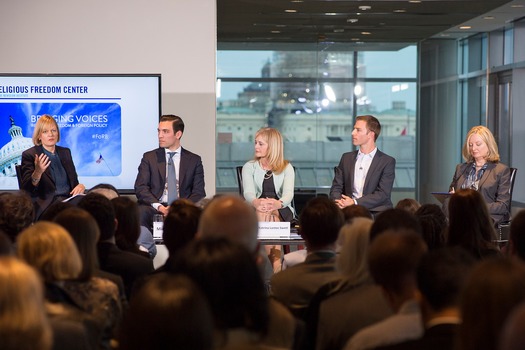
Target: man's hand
344,202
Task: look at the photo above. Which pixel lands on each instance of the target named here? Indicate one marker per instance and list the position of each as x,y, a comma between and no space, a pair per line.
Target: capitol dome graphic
11,152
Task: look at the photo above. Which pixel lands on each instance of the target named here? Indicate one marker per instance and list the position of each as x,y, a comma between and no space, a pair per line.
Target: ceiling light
366,33
365,7
488,17
290,11
354,39
352,20
275,32
465,27
415,1
339,30
331,14
400,11
517,6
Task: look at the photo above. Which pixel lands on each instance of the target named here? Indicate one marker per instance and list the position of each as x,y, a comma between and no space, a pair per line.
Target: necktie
171,179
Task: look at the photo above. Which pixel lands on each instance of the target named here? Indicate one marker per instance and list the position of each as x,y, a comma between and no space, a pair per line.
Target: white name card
274,230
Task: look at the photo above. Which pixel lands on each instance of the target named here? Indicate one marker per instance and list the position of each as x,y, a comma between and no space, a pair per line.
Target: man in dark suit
319,224
130,266
365,176
154,189
440,277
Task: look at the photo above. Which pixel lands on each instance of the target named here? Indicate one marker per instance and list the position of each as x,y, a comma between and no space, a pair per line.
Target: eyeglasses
52,131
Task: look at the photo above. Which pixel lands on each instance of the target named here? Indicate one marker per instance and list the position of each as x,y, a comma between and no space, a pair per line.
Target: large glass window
312,97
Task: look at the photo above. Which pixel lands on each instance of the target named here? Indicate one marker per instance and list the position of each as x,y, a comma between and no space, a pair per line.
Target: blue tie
171,179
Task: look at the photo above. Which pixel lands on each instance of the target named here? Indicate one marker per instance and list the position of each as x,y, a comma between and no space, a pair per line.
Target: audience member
112,259
440,278
97,296
233,218
23,320
227,274
54,209
16,213
180,227
433,225
470,225
493,289
409,204
169,311
394,220
48,248
128,229
517,236
319,224
393,258
107,190
356,211
513,333
358,302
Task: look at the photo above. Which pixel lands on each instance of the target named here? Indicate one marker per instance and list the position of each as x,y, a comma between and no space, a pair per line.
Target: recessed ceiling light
517,6
275,32
444,35
355,39
465,27
330,13
297,1
400,11
488,17
290,11
352,20
415,1
366,33
365,7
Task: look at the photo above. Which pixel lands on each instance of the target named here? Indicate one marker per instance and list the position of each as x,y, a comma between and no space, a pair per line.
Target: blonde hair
23,320
49,248
275,148
43,122
488,138
353,242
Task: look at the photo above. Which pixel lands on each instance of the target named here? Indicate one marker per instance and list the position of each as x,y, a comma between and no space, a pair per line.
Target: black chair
18,169
503,228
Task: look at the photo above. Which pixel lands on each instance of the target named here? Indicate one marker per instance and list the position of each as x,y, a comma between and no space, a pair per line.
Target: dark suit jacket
378,183
494,186
129,266
151,178
438,337
295,286
43,194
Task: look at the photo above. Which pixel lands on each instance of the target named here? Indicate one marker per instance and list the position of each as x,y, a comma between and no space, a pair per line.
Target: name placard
274,230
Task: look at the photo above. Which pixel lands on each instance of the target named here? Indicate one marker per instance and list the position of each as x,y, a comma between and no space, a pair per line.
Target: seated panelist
483,172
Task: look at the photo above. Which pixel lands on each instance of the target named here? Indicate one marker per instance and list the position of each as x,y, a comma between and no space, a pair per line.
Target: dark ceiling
341,21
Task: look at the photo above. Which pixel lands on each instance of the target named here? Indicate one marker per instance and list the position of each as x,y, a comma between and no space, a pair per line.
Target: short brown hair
372,124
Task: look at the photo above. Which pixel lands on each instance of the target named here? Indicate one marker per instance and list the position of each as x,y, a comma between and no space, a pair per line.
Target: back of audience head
517,235
230,216
356,211
494,287
320,222
103,212
353,242
513,332
23,320
84,231
393,258
394,220
49,248
470,225
167,311
408,204
107,190
128,229
441,275
16,213
180,225
227,274
433,225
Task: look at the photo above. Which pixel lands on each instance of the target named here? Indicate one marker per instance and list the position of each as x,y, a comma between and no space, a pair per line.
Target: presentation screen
108,122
